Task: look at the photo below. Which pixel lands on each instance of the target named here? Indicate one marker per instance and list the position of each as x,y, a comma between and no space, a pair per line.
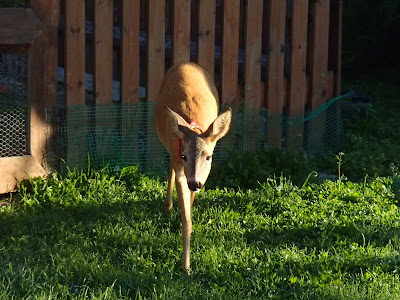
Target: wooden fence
283,55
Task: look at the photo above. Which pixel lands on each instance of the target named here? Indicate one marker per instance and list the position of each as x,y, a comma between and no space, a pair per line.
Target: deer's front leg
184,205
171,181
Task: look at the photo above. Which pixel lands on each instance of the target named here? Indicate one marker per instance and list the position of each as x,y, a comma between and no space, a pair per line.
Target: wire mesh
117,136
14,118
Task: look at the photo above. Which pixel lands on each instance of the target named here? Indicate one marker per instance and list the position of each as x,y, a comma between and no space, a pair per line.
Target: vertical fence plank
155,47
130,51
103,67
253,38
318,65
275,79
318,60
103,76
335,65
335,42
181,30
230,53
75,52
252,88
206,46
297,74
155,74
42,88
130,79
75,78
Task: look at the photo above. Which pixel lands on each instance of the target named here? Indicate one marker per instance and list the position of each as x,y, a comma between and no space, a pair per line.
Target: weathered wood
130,80
335,42
18,26
181,32
155,73
13,170
275,78
253,37
318,66
14,49
206,56
318,51
252,95
230,53
297,73
156,47
103,51
43,75
130,51
74,74
42,97
74,59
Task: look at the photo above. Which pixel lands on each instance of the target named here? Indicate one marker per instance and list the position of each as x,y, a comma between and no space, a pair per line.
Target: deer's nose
195,186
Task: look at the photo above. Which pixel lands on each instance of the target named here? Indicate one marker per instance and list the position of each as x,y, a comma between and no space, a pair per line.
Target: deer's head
196,148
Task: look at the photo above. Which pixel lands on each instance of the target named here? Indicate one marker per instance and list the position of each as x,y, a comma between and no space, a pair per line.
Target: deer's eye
183,157
208,157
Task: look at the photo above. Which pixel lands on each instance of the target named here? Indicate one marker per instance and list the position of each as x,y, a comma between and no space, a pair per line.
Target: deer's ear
220,127
179,125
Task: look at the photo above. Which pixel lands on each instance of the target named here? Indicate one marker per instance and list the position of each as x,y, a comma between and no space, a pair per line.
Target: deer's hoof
168,206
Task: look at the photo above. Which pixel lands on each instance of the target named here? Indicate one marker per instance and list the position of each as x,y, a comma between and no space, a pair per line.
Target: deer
188,125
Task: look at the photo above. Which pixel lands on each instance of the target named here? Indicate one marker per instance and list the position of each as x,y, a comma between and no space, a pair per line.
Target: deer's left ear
180,126
220,127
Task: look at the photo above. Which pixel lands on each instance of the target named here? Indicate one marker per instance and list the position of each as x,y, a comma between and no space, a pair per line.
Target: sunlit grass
101,235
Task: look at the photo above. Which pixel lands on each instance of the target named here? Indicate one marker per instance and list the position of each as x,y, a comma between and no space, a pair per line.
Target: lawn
103,235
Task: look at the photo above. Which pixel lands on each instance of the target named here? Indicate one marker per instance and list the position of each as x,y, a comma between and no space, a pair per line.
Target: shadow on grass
88,246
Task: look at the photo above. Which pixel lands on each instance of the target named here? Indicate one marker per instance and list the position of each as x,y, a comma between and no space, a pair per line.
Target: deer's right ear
179,125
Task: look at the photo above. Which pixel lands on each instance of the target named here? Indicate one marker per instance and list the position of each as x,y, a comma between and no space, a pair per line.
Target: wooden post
335,42
103,66
130,51
131,117
230,53
318,67
297,76
206,55
103,76
155,74
181,32
275,77
155,48
75,93
252,88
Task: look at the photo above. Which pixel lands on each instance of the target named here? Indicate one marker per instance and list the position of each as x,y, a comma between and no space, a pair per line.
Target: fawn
188,125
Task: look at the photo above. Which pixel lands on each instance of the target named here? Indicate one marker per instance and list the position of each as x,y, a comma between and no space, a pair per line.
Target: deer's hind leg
171,182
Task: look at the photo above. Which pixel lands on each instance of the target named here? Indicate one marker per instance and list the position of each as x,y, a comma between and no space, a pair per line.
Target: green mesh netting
118,135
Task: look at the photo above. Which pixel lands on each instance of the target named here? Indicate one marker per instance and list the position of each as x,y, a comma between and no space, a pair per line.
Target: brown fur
187,95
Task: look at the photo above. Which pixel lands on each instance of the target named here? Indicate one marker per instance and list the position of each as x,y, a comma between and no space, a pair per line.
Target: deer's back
190,91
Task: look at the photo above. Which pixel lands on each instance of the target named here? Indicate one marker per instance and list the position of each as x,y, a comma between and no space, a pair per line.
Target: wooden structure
32,30
282,55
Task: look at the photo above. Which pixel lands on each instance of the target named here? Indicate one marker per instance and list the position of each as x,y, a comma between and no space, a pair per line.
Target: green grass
100,235
103,235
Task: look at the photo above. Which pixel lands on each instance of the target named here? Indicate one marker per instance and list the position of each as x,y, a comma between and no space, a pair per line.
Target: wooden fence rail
281,55
278,52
